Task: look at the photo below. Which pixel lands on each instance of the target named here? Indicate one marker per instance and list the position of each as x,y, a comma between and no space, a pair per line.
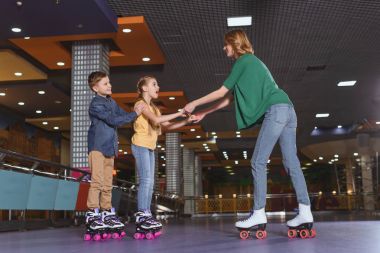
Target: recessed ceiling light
322,115
315,160
320,158
38,111
182,145
238,136
238,132
41,92
21,103
45,123
315,128
192,130
356,154
171,98
198,137
18,74
158,146
120,150
377,122
336,155
56,128
346,83
26,37
57,102
2,94
215,136
127,30
16,29
125,152
162,149
213,133
204,144
236,162
239,21
60,63
268,161
339,126
146,59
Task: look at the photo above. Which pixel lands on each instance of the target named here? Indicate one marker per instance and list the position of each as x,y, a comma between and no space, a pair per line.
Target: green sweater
254,90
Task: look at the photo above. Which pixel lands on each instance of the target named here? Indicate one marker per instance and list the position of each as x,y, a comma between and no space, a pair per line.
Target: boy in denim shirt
105,116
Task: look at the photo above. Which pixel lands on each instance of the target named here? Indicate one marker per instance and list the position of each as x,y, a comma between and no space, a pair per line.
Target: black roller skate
115,228
146,226
254,224
95,228
302,225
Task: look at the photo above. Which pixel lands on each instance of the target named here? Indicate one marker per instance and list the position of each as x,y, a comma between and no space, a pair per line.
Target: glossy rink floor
335,233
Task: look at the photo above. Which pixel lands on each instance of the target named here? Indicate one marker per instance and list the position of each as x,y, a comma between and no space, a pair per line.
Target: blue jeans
144,158
280,123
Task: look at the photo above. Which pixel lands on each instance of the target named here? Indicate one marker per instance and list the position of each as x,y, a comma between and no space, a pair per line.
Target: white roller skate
302,224
256,223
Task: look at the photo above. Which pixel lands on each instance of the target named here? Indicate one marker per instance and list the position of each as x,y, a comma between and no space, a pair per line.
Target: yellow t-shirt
146,133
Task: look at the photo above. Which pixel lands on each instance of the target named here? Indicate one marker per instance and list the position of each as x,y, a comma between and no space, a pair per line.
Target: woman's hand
195,118
189,108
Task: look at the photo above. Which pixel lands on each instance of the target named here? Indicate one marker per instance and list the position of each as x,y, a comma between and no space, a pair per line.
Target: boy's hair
94,78
239,41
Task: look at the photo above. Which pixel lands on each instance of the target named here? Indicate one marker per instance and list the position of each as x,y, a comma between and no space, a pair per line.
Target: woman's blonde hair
239,41
141,82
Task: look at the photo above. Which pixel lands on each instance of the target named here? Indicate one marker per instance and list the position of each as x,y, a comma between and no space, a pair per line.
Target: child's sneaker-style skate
146,226
255,223
95,228
115,228
302,224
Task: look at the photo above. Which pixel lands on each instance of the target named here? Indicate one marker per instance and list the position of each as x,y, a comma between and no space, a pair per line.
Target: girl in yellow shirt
147,127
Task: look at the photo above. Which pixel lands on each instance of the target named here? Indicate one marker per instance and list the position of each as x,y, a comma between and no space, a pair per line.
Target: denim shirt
106,116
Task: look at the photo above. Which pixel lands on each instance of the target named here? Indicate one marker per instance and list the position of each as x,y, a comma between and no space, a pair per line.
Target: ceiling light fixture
127,30
16,29
322,115
39,111
41,92
60,63
239,21
146,59
56,128
21,103
346,83
2,94
45,123
26,37
18,74
192,130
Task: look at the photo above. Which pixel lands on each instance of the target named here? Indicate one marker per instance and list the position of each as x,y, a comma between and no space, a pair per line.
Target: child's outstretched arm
174,125
101,112
163,118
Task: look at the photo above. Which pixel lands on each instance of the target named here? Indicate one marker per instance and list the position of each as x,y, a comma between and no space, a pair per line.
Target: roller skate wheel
244,234
109,236
115,236
106,236
157,234
313,233
304,233
260,234
97,237
138,236
87,237
123,234
149,236
292,233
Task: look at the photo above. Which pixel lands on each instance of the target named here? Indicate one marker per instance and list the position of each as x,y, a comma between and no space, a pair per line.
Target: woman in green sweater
258,99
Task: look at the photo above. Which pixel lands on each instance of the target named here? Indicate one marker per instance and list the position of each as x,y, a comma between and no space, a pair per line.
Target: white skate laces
256,218
304,216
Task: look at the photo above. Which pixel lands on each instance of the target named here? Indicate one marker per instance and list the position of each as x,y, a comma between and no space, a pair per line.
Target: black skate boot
115,228
95,228
146,226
